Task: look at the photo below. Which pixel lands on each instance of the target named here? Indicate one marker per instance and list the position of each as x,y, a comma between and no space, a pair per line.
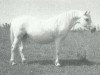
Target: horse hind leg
11,36
57,44
13,47
21,53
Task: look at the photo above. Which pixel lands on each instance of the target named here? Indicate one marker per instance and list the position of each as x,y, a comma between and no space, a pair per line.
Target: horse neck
72,18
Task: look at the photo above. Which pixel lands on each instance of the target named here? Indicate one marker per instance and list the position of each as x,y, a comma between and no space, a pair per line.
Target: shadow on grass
76,62
41,62
69,62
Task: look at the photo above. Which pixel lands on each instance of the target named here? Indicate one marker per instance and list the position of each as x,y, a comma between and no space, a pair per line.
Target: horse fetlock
12,62
57,64
24,61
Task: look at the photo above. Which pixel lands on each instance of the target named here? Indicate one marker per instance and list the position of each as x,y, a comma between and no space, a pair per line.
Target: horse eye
87,19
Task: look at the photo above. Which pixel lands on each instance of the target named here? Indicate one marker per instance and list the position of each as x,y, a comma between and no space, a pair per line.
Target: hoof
57,64
24,61
12,63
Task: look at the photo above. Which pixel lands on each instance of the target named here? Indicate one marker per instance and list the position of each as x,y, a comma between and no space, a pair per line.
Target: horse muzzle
93,30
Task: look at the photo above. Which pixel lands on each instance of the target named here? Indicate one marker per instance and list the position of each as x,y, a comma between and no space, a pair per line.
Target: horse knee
20,48
13,47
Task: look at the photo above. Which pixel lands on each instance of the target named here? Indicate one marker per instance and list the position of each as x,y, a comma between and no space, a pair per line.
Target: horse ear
87,12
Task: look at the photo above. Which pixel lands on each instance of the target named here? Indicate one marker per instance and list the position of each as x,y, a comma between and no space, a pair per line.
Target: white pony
52,30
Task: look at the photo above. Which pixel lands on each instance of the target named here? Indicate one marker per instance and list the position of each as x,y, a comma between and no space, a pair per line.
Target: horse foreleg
57,44
13,47
21,53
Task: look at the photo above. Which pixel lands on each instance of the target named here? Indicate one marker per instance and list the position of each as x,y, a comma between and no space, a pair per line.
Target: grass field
40,58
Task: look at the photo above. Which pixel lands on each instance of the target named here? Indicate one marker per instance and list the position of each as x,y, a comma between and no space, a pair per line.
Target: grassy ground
40,58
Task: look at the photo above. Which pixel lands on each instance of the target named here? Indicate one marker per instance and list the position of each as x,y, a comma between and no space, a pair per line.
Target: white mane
64,17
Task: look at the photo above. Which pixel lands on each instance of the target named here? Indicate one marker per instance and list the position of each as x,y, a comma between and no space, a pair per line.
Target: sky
45,9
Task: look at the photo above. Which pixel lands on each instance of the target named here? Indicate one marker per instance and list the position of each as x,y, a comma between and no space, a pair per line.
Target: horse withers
45,31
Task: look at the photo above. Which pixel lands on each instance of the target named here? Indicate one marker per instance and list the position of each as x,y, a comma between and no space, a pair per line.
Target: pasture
40,58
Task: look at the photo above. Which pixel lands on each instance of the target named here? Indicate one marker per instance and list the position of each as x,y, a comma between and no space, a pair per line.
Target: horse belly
43,38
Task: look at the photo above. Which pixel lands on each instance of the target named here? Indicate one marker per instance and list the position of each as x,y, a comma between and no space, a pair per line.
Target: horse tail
5,25
11,35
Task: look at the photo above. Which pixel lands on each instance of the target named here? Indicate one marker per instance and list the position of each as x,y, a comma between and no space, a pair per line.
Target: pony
54,29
